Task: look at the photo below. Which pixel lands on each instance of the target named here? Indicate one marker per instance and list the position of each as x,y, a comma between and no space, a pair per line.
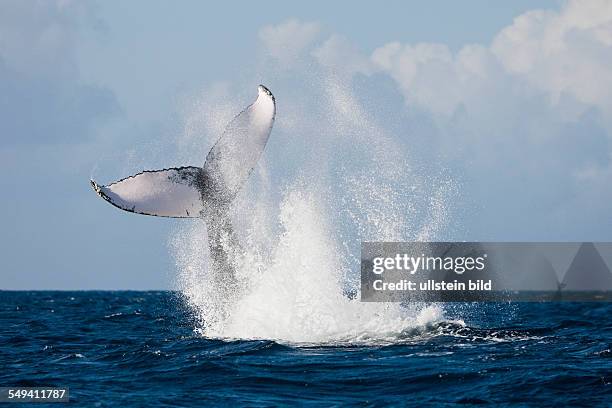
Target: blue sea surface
140,349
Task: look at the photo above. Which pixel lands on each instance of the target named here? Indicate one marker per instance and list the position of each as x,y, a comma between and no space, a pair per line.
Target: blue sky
513,108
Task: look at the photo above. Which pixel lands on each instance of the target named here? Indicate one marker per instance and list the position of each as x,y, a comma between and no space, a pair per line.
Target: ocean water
149,349
289,335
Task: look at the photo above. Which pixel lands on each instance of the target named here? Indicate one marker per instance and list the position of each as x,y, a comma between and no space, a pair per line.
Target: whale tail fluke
171,193
190,192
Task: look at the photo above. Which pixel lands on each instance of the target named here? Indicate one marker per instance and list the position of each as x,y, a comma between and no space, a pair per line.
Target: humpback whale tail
207,191
204,192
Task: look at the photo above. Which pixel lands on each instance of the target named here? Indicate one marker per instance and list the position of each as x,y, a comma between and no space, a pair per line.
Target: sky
511,99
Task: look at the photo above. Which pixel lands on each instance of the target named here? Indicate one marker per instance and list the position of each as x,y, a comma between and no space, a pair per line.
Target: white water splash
296,295
301,220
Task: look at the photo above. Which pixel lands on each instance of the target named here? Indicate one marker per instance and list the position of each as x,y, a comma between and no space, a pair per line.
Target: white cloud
569,51
564,54
430,76
287,41
527,119
340,55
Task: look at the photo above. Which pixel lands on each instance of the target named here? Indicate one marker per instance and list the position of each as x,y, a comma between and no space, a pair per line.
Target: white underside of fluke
180,192
163,193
